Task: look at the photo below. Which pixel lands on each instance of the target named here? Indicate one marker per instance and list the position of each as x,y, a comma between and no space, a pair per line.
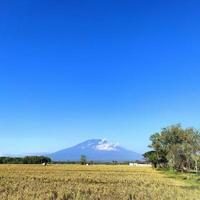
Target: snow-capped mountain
96,150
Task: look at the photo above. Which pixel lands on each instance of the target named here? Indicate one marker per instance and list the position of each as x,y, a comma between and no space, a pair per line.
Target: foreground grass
101,182
191,179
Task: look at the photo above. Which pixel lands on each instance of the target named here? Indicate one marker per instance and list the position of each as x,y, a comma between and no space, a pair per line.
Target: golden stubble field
97,182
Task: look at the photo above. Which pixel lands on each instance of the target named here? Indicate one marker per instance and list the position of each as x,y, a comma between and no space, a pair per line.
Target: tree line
175,147
25,160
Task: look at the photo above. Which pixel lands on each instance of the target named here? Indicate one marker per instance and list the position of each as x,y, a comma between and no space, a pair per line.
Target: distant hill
95,150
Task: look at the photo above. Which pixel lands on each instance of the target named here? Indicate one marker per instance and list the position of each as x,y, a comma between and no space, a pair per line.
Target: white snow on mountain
104,145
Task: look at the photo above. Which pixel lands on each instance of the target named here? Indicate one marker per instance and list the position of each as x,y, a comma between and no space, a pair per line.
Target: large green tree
175,147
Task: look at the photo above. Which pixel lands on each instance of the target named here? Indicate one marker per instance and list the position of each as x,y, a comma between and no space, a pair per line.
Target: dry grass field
97,182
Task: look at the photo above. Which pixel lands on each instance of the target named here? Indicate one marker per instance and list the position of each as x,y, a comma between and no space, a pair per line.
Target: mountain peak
104,145
96,150
98,145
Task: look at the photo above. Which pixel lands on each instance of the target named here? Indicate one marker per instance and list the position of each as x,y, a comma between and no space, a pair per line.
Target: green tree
175,147
151,156
83,159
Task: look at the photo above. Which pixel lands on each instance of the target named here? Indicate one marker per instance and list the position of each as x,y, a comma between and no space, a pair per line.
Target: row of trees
176,148
25,160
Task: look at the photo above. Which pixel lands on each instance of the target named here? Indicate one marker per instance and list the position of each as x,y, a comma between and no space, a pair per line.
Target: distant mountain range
96,150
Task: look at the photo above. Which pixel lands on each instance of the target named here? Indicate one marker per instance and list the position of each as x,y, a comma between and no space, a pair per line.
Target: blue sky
75,70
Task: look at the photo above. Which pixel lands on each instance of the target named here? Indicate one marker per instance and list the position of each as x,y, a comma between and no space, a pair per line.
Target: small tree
83,159
151,156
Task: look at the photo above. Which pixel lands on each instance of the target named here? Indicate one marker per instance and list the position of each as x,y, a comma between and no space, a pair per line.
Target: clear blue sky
75,70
